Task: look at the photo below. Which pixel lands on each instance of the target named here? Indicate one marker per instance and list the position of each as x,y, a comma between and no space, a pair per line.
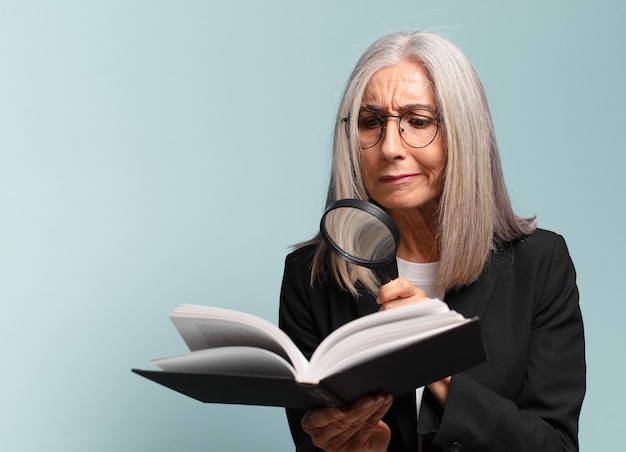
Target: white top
423,277
420,275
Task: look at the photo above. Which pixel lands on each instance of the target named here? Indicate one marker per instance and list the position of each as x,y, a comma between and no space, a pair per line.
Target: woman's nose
392,145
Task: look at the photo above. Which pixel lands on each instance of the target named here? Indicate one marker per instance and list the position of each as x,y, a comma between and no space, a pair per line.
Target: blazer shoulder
538,249
301,257
299,264
539,243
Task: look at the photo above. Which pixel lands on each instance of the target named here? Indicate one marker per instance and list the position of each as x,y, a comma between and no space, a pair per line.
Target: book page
228,361
367,345
421,309
204,327
380,331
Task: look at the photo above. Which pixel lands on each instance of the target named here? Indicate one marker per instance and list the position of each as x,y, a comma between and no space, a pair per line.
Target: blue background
154,153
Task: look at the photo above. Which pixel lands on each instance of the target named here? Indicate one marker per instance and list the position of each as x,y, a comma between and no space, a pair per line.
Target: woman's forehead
399,87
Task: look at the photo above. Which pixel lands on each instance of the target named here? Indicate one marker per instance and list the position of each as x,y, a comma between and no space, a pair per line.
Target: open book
239,358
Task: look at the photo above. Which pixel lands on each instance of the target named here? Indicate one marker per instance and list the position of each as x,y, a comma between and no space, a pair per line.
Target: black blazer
527,397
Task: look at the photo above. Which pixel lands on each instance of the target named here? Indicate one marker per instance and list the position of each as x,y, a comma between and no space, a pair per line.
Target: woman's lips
397,179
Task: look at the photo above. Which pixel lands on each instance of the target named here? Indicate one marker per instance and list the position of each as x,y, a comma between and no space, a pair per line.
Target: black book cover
396,373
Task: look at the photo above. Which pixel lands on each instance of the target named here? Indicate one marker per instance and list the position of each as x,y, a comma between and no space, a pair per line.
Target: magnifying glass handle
388,273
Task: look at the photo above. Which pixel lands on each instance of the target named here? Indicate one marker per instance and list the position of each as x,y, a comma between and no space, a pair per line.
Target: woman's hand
400,292
356,427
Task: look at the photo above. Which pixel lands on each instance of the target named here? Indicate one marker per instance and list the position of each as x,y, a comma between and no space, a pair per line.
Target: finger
399,288
363,415
321,417
399,302
357,434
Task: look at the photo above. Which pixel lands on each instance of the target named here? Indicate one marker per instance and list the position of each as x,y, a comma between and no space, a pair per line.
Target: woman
414,135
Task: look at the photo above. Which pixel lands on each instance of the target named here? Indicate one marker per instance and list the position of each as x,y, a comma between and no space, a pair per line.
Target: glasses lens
418,128
370,129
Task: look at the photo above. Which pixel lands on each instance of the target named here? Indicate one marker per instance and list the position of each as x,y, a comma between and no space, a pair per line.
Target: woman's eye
419,122
369,122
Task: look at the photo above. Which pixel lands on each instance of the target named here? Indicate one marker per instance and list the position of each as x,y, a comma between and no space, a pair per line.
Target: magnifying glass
360,232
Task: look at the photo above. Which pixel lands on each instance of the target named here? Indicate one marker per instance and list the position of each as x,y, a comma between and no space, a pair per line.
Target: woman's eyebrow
402,108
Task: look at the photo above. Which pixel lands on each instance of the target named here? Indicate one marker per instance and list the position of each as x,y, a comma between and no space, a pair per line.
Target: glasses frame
438,121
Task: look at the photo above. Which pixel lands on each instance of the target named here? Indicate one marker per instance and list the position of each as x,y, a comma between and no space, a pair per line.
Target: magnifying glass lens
360,232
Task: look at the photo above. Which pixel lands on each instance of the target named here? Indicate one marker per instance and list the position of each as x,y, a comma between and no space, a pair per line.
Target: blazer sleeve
544,415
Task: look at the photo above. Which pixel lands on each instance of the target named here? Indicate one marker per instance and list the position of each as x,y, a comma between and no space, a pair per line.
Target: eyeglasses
417,128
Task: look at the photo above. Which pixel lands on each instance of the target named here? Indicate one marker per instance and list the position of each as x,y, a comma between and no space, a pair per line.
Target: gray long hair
475,213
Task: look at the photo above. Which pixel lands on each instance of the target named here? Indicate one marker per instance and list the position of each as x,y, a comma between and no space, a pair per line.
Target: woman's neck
418,234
